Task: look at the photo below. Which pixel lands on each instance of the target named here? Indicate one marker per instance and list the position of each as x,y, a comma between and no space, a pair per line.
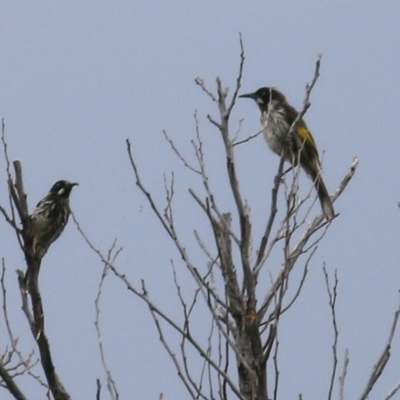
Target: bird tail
323,195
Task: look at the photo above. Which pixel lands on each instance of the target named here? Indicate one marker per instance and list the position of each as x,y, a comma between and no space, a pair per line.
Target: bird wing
307,139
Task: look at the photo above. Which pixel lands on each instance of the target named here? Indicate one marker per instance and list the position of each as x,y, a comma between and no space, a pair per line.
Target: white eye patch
259,100
61,191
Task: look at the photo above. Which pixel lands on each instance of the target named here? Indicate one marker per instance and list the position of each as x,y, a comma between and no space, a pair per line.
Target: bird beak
248,96
73,184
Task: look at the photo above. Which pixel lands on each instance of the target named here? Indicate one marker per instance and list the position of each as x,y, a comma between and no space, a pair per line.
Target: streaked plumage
50,217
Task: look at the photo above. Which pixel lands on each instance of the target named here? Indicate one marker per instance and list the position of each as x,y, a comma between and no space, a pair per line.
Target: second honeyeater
50,216
277,116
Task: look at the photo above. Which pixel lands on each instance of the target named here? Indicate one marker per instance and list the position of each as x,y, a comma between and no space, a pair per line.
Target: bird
277,117
48,220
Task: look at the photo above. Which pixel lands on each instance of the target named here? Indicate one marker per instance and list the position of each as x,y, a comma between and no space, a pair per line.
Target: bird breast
275,129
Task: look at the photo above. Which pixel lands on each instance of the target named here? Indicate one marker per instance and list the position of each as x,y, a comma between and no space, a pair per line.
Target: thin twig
238,79
210,196
98,390
111,385
295,297
236,135
179,154
251,137
6,377
383,359
393,391
27,362
274,209
200,82
343,375
187,310
332,295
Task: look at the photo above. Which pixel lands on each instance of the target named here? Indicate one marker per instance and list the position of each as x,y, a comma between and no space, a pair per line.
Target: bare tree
239,356
243,338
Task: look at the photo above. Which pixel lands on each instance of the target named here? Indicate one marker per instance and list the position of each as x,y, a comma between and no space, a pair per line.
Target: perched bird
277,116
49,218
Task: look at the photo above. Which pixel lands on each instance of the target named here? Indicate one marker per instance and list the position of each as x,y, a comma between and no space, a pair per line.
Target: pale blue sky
78,78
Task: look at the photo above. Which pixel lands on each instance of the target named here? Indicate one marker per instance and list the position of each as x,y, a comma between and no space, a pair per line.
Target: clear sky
78,78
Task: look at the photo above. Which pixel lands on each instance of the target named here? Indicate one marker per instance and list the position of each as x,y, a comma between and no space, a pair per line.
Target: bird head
264,96
62,188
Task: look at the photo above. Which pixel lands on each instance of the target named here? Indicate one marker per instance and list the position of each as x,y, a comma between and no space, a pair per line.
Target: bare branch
238,79
332,295
36,322
310,86
383,359
318,223
168,224
342,377
213,260
302,281
11,385
26,362
214,122
156,311
210,196
345,181
19,185
5,375
248,139
224,110
178,153
145,192
98,391
11,220
168,349
274,209
187,310
276,364
242,209
236,135
393,391
291,302
3,139
200,82
111,385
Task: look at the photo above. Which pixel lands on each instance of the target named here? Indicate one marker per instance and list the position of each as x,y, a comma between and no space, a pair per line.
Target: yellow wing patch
306,137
